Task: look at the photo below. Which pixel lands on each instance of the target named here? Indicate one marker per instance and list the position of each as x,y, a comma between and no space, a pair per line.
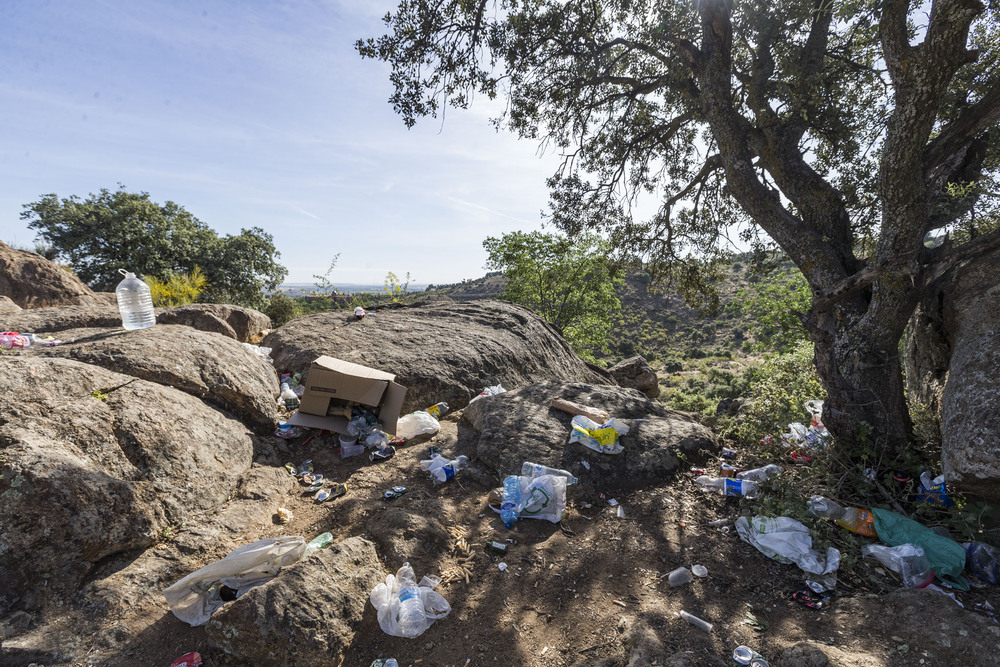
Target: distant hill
305,289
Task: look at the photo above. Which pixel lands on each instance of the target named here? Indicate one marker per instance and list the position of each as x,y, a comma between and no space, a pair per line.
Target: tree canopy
113,230
569,282
844,130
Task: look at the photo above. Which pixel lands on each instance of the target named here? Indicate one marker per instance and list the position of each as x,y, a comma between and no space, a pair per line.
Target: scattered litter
311,477
621,512
195,598
945,556
696,622
853,519
699,571
284,515
262,353
287,431
321,541
718,523
314,487
322,495
745,655
620,603
15,340
441,469
933,491
907,560
192,659
437,410
394,492
383,454
787,541
529,469
601,438
761,474
809,598
728,486
983,561
585,464
406,609
728,453
416,424
679,577
612,502
593,414
489,391
502,566
729,470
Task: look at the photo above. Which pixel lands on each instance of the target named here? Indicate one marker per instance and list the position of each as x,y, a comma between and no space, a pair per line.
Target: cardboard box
335,381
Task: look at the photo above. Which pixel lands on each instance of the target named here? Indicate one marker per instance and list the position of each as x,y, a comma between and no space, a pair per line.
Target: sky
256,113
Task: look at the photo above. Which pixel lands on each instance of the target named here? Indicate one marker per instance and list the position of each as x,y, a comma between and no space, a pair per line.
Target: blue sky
255,114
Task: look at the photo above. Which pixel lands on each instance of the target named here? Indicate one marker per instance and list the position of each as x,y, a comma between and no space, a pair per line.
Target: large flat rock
210,366
243,324
440,351
96,463
31,281
307,615
520,426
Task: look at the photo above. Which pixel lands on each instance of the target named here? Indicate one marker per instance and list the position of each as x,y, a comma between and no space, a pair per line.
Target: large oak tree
845,130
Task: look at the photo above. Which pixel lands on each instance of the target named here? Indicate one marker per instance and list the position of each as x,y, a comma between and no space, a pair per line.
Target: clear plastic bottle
529,469
852,518
411,618
761,474
727,486
134,302
289,397
907,560
509,505
443,472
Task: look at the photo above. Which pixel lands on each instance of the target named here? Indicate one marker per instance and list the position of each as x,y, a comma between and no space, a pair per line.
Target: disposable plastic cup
679,577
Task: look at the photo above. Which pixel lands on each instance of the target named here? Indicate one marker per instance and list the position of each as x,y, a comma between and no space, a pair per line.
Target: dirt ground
580,592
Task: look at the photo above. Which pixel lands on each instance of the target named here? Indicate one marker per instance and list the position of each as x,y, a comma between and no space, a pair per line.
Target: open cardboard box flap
331,378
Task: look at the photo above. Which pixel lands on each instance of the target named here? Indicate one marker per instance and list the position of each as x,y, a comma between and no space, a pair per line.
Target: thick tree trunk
861,372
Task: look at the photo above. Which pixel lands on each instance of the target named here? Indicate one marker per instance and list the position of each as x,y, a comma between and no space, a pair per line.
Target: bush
282,309
178,289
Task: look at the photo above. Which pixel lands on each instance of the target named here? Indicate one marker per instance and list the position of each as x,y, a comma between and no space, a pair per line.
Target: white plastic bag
195,598
489,391
907,560
385,598
787,541
542,497
416,423
601,438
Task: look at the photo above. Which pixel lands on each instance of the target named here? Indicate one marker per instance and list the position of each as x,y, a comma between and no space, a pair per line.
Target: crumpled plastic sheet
787,541
195,598
385,598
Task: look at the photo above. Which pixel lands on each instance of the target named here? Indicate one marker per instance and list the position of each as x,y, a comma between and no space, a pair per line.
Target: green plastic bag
945,555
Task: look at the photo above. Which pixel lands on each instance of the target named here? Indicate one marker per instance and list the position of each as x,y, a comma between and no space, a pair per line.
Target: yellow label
605,436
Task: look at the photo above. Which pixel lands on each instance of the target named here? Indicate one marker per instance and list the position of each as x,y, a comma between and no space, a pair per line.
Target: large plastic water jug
134,302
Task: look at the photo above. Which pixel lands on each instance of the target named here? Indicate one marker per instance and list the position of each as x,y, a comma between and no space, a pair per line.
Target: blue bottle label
734,487
409,593
449,471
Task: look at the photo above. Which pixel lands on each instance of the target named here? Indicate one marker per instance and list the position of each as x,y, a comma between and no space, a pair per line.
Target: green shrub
282,309
178,289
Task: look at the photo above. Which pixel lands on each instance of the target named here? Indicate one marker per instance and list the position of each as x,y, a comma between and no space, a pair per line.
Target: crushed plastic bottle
853,519
727,486
441,469
321,541
14,340
761,474
510,505
907,560
411,619
529,469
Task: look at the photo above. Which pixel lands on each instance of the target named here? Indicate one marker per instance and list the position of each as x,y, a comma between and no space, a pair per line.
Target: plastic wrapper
787,541
416,424
601,438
